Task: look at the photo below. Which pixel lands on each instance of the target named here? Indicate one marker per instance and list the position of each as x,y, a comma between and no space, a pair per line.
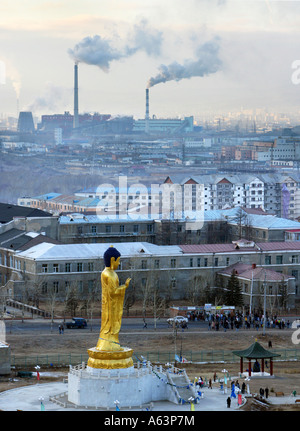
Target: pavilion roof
255,351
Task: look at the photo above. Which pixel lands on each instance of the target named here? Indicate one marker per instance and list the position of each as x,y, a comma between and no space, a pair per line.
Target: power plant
162,125
98,124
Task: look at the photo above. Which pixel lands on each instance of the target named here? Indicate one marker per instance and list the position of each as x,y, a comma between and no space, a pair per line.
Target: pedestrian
209,384
243,387
59,329
228,402
267,392
215,376
270,344
145,324
62,328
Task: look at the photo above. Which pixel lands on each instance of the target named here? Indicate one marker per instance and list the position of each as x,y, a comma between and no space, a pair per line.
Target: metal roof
96,251
247,272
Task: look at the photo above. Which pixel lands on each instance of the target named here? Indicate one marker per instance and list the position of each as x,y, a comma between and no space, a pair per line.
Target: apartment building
277,194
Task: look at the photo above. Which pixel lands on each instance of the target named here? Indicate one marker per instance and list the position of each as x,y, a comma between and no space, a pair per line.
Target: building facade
175,270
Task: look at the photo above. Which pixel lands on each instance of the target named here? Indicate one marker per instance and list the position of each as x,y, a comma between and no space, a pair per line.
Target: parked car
77,322
178,320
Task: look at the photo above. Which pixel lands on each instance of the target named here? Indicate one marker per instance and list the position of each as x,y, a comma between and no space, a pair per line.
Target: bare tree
72,300
194,290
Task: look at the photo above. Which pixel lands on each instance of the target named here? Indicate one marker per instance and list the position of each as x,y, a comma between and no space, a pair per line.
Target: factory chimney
75,118
147,111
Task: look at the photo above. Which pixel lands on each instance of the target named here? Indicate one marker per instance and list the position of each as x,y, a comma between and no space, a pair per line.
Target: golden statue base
108,360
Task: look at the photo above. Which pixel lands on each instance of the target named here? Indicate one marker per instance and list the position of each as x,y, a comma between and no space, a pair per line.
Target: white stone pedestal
130,386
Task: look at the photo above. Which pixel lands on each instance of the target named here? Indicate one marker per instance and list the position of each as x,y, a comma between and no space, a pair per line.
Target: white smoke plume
98,51
206,63
12,75
50,100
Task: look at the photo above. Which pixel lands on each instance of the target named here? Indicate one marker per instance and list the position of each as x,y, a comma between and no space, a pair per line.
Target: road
44,326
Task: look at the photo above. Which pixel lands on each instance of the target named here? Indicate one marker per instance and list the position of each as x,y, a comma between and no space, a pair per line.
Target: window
173,282
216,261
295,258
278,260
90,266
55,267
67,267
205,261
135,228
149,228
295,273
108,229
94,229
79,230
198,262
270,290
267,260
227,261
144,264
55,286
156,263
79,267
191,262
122,228
91,285
44,267
173,263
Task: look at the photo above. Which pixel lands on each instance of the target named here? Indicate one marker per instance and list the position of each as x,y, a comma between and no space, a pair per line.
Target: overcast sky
197,56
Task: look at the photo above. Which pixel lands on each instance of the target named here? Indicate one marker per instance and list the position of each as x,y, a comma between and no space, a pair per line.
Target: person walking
228,402
267,392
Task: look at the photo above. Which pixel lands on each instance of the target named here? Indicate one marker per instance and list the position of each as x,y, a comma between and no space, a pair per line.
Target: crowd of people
239,320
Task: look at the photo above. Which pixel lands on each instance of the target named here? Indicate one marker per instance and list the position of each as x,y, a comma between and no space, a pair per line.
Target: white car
177,320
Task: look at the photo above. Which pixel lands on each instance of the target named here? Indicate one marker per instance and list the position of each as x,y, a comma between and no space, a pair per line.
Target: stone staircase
182,387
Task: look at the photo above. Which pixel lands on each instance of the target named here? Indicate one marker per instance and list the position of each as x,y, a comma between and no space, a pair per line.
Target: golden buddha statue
108,353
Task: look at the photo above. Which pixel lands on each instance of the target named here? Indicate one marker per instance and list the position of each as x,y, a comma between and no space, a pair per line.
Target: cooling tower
25,122
75,118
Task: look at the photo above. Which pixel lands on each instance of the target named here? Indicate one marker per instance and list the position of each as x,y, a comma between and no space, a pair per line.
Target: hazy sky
202,55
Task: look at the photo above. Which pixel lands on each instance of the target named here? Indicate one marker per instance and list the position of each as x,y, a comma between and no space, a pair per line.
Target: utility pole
265,288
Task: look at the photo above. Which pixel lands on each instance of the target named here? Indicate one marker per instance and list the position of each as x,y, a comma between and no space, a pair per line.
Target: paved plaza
29,398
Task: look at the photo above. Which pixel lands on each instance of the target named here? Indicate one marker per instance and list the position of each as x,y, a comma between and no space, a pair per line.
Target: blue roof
47,196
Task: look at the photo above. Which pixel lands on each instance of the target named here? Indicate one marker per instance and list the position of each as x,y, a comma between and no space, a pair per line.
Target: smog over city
165,135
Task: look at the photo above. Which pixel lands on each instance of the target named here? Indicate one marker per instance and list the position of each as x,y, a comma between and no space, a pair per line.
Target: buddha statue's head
112,258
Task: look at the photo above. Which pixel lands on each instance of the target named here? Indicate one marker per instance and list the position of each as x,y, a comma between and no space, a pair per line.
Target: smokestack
75,119
147,111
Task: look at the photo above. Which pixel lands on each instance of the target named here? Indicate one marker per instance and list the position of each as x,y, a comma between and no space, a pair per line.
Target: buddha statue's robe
112,311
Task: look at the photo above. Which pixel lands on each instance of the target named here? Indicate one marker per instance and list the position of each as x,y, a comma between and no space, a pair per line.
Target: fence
210,356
